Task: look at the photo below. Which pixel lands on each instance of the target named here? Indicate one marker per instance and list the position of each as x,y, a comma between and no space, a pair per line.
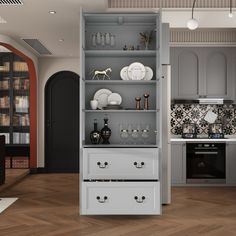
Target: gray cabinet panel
216,74
178,163
188,73
202,72
231,163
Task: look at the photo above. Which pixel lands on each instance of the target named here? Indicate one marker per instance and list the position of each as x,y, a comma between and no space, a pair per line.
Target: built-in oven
205,163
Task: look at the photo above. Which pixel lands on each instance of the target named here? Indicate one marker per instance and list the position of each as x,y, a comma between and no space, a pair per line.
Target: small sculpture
146,105
138,103
103,73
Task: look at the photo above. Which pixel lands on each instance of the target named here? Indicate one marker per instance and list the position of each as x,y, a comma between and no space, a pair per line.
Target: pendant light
230,9
192,23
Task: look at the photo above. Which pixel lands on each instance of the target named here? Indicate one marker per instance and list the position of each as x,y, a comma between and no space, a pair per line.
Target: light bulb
231,15
192,24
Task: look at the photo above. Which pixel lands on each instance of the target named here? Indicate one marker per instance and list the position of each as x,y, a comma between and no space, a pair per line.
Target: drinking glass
135,133
145,133
112,40
124,133
94,40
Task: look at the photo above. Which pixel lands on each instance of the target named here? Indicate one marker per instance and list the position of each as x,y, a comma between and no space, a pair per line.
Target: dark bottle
106,132
95,135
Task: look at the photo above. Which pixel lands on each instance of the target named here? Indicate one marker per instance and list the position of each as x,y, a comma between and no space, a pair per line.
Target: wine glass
124,133
135,133
145,133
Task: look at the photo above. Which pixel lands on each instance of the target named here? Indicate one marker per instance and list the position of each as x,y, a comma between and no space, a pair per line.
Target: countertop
227,139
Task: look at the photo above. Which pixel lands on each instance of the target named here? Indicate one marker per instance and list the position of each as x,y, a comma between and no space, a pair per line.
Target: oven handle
207,153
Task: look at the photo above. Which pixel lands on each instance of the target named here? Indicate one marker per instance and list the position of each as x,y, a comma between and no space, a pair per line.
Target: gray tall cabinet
120,178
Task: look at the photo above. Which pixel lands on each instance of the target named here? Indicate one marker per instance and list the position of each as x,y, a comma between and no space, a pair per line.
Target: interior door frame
49,81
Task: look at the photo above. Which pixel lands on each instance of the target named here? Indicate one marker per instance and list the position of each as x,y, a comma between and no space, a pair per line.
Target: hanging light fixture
192,23
230,9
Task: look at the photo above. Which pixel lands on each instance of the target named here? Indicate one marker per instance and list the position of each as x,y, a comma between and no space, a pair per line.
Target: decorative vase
95,135
106,132
94,104
146,44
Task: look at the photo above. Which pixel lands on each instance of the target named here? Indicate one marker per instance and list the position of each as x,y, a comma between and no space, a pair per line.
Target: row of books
5,67
7,137
21,138
5,102
20,83
20,66
21,120
4,84
4,120
21,103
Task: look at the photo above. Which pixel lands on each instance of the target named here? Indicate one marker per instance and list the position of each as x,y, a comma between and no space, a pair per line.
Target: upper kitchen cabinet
202,72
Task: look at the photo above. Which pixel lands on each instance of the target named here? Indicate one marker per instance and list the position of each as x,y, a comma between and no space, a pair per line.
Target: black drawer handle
102,200
102,166
139,165
139,199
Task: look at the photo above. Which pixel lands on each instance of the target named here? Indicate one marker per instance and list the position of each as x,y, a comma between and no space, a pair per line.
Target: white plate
124,73
114,98
136,71
149,73
102,97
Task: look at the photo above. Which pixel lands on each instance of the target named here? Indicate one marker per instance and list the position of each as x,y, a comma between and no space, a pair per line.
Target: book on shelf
20,66
21,103
21,120
21,138
5,67
4,119
7,137
20,83
5,102
4,83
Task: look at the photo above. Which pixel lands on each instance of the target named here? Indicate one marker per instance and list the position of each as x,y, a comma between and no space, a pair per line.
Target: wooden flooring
48,206
13,176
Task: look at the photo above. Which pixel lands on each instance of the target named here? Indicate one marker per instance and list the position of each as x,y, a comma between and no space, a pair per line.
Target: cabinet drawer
121,198
120,163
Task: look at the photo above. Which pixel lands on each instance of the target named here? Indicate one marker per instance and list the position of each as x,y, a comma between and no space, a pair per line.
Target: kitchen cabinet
178,163
121,177
202,72
231,163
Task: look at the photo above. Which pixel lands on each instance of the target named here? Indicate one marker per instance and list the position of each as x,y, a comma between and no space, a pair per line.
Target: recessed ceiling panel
37,46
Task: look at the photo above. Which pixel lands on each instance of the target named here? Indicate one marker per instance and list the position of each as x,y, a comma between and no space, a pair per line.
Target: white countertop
228,138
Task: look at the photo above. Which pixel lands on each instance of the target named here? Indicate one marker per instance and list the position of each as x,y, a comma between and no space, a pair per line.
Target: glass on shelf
135,133
124,133
145,133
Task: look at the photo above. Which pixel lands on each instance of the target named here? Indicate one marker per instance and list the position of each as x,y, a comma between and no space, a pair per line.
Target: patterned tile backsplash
195,113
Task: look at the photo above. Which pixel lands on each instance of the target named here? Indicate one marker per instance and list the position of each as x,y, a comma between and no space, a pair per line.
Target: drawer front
122,163
121,198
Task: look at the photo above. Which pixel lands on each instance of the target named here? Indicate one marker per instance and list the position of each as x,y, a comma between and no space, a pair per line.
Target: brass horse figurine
103,73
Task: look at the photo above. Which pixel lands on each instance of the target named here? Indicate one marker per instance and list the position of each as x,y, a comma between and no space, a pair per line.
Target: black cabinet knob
102,166
102,199
139,199
139,165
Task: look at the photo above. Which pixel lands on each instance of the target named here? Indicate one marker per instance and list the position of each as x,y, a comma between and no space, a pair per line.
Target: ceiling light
52,12
61,40
231,10
192,23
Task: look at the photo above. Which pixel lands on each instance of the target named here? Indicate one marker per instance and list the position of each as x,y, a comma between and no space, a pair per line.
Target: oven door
206,163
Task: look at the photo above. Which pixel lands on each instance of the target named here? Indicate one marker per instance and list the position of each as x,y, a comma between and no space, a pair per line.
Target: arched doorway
62,123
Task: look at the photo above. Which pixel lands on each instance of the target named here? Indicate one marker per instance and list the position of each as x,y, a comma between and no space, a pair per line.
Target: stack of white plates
105,97
136,71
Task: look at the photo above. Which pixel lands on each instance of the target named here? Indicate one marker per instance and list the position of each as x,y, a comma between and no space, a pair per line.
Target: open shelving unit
14,105
125,29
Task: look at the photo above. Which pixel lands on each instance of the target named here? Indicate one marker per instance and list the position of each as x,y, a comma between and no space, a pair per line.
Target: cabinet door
178,163
218,72
231,163
185,73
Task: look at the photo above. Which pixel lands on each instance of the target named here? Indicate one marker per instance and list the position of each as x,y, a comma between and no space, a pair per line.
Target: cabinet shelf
125,82
120,53
121,111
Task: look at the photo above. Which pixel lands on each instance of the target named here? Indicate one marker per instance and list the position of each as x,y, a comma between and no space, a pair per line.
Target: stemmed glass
145,133
135,133
124,133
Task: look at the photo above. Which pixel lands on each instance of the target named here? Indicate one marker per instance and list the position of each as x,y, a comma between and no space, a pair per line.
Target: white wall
48,67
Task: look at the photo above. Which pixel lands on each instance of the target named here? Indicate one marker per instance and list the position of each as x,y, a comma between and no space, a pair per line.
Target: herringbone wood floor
48,206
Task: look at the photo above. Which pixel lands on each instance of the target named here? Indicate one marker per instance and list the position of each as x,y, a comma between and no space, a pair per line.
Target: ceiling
32,20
